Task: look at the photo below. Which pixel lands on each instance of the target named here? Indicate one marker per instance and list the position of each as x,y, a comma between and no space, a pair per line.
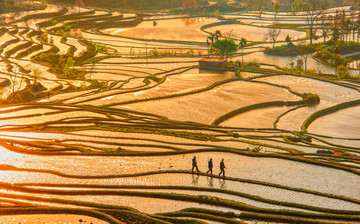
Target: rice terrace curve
105,105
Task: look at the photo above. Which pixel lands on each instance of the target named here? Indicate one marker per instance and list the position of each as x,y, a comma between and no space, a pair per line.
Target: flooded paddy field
257,33
107,134
184,29
340,124
240,96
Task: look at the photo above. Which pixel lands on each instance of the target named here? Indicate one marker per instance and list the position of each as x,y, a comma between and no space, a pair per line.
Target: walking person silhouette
210,166
222,168
194,165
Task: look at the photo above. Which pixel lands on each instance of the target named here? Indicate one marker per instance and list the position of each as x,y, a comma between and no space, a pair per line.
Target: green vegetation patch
283,50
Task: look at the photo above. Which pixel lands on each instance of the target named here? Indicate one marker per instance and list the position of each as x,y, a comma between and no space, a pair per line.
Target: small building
212,63
293,47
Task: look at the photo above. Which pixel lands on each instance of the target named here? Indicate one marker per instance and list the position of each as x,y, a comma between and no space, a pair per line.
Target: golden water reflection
55,219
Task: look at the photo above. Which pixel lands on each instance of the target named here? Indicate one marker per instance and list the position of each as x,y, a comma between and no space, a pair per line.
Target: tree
296,5
273,33
304,50
288,39
14,78
354,25
339,21
343,72
334,28
242,45
224,48
229,34
217,35
347,29
210,38
261,10
324,26
300,64
276,7
313,9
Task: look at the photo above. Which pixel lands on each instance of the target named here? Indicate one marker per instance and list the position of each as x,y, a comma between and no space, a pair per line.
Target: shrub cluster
283,50
311,98
331,57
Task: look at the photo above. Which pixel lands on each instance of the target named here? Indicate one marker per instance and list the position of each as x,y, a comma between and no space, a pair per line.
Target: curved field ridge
102,113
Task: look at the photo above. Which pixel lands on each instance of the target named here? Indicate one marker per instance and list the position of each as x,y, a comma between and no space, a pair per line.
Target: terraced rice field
114,142
183,29
258,33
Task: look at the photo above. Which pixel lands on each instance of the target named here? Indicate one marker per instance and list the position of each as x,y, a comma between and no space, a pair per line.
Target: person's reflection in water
195,179
210,181
222,183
